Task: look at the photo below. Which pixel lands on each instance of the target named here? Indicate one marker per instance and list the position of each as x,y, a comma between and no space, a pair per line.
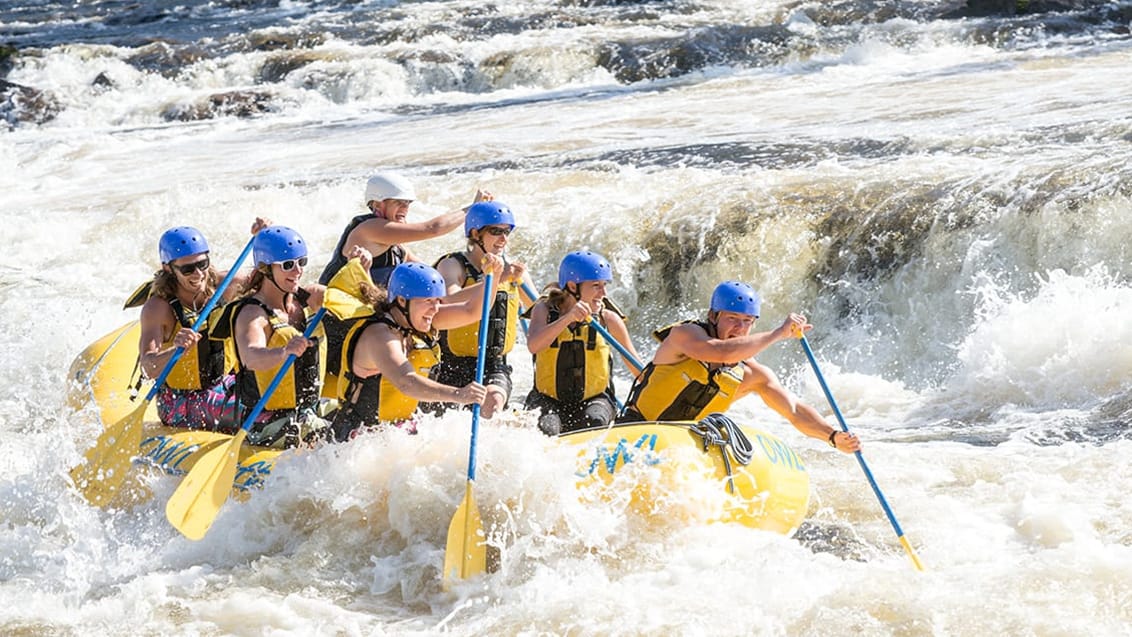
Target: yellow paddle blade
139,296
911,553
194,505
107,463
465,555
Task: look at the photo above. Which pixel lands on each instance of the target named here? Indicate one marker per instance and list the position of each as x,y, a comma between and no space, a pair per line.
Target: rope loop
717,430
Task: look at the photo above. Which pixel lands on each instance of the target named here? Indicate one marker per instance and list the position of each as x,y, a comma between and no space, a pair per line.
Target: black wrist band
831,436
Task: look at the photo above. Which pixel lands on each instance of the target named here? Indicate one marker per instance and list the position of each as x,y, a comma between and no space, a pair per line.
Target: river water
943,189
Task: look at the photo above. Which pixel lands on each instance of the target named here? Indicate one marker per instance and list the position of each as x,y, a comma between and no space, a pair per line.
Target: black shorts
558,417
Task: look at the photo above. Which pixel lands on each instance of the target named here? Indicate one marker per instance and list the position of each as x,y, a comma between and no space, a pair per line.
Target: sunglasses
189,268
289,264
497,232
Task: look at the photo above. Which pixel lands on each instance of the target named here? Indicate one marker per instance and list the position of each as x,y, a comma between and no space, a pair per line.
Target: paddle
196,502
600,330
860,458
107,463
616,344
465,554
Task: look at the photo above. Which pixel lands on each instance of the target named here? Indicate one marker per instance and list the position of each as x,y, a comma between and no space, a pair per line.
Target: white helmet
384,186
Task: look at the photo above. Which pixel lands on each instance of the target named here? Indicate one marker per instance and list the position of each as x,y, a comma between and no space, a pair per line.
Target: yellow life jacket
198,367
688,390
302,384
576,366
502,321
375,399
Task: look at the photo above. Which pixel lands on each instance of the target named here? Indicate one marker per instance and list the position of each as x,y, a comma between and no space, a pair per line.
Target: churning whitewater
942,187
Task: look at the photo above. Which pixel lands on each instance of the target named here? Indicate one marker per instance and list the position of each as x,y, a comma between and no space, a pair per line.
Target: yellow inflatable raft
713,470
101,375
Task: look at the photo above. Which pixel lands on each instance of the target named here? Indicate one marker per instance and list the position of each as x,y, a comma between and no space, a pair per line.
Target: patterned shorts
214,409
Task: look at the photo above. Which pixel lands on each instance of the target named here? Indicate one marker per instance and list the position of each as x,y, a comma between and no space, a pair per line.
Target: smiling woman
266,328
197,392
388,354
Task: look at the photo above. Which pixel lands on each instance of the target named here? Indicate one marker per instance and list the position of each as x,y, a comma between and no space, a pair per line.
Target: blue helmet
180,242
416,281
583,265
487,213
277,243
735,296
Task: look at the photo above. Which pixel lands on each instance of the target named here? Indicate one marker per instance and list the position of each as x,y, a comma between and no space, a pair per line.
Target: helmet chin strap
271,277
576,292
479,243
405,311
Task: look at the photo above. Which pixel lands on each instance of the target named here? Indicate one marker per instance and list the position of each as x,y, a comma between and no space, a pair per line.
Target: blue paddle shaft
616,345
845,428
481,356
200,319
600,330
255,412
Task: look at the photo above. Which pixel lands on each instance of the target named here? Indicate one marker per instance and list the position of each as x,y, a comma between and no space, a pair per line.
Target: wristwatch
832,435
